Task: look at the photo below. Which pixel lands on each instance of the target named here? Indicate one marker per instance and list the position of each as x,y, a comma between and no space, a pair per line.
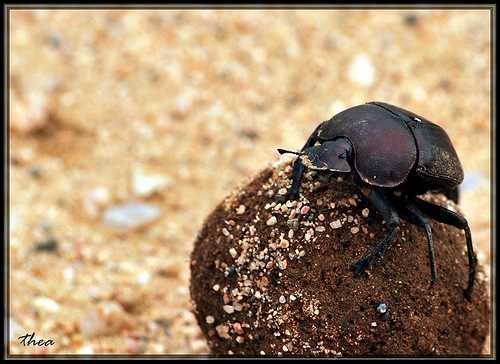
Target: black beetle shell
384,147
438,164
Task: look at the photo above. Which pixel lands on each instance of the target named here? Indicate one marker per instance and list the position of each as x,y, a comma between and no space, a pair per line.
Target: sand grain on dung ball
284,283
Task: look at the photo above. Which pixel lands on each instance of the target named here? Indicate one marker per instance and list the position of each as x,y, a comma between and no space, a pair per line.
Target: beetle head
330,156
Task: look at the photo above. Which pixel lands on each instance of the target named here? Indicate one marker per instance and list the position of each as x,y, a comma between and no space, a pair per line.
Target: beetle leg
417,217
299,168
453,194
382,204
446,216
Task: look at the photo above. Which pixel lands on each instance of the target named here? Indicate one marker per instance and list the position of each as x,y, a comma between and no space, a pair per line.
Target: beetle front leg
446,216
381,203
299,168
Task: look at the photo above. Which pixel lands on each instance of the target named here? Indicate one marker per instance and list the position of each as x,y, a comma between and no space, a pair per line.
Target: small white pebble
320,229
321,217
237,307
362,71
374,324
285,348
216,287
209,320
292,297
228,309
225,232
282,299
365,212
241,209
355,230
233,252
284,243
262,352
336,224
271,221
45,304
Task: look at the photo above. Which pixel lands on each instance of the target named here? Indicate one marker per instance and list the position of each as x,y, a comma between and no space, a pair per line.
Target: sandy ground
170,110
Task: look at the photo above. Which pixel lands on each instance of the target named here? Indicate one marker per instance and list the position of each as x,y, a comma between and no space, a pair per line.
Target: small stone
282,299
145,184
285,348
209,320
308,235
237,307
240,339
365,212
230,271
46,304
304,210
321,217
130,215
284,243
320,229
271,221
216,287
293,224
95,199
241,210
354,230
85,350
282,191
336,224
238,328
362,71
50,245
225,232
262,352
292,297
374,324
382,308
223,331
233,252
228,309
411,20
282,264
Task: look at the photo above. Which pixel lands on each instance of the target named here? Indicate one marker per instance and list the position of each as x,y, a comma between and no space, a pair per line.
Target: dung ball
272,277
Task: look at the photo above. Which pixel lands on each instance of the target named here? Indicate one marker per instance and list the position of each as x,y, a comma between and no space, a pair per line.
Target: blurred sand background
127,127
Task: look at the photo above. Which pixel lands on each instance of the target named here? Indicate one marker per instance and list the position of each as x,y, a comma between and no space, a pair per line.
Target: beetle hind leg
417,217
446,216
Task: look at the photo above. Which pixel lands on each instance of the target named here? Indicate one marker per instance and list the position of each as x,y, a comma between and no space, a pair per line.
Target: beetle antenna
283,151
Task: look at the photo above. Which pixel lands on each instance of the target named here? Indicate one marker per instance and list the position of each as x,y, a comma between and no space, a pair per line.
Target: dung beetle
393,155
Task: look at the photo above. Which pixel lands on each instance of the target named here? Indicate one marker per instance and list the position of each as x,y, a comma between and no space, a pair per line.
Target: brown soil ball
273,278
